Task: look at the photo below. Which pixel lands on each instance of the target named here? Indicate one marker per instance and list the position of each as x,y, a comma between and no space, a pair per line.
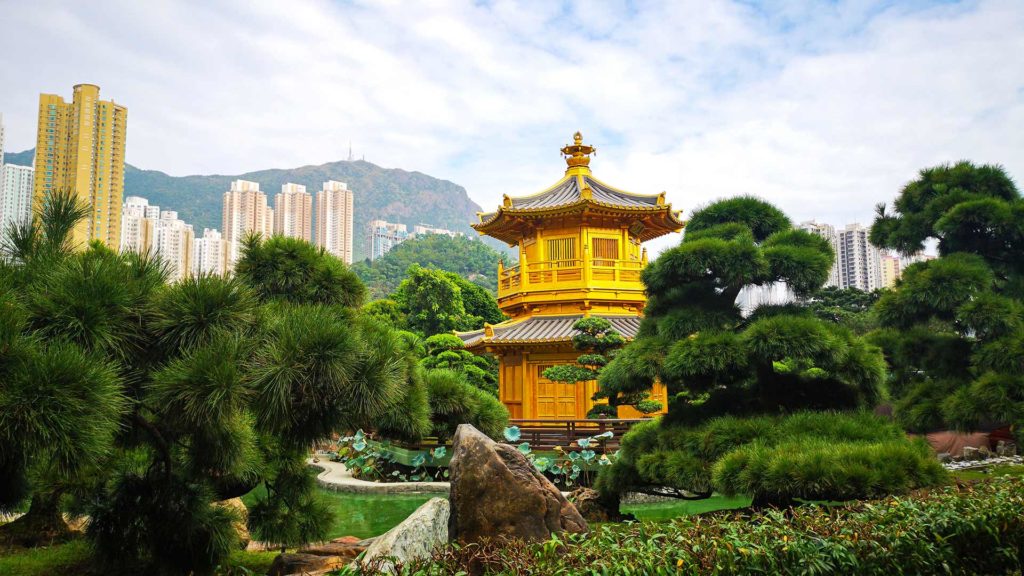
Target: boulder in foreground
416,537
497,493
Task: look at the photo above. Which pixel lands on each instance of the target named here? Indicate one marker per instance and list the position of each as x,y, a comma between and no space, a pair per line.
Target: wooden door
555,400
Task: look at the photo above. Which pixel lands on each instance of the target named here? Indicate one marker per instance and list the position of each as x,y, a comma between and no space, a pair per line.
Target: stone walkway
334,476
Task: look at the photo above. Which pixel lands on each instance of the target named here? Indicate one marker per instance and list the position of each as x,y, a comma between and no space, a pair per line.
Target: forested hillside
380,193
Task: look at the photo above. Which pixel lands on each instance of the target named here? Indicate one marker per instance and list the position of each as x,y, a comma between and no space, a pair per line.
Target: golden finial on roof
578,154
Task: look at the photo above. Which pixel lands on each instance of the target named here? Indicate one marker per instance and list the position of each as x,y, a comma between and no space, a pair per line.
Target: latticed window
606,251
562,251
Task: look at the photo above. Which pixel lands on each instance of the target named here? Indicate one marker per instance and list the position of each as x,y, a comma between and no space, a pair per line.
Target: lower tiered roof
542,330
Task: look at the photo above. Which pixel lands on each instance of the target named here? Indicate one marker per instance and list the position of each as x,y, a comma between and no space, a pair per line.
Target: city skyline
816,109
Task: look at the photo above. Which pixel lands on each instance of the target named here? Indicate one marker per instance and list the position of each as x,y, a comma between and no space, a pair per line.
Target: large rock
241,522
286,564
496,493
416,537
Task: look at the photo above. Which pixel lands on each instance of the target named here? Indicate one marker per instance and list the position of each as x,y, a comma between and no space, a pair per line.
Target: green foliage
293,270
953,327
168,526
454,401
146,403
60,407
468,258
956,530
967,208
290,513
446,351
760,218
192,311
437,302
386,311
813,455
848,307
817,469
714,362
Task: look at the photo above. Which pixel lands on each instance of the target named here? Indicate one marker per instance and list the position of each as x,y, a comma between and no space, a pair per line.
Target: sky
824,108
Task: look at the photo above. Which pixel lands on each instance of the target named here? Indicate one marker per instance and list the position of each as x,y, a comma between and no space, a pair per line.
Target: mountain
20,158
380,193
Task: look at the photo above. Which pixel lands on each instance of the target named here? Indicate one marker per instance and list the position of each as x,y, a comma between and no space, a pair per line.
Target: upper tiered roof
578,192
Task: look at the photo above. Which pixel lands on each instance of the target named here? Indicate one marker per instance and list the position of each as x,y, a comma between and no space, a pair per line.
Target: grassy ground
361,515
669,510
74,558
1007,470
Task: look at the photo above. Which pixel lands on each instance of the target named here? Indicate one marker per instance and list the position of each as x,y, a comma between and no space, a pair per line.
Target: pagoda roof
578,192
542,330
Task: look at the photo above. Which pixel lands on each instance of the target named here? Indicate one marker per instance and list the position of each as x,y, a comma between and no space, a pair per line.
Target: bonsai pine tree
723,371
599,342
446,352
953,329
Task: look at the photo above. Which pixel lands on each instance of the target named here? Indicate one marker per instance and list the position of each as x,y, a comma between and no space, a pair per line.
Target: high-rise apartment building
245,211
172,242
889,267
209,254
858,259
384,236
80,147
424,229
827,232
15,196
138,222
334,213
1,139
293,212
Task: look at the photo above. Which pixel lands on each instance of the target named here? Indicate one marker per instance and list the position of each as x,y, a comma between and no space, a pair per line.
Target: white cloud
824,109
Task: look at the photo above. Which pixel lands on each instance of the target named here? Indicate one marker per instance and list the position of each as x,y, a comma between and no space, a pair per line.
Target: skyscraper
209,254
889,265
1,139
80,147
827,232
245,211
15,196
384,236
138,221
858,259
334,211
293,212
172,242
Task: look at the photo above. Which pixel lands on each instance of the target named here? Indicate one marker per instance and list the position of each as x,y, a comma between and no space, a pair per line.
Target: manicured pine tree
953,328
735,383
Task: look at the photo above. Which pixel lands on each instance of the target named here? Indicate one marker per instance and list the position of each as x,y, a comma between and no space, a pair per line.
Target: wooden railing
567,273
545,434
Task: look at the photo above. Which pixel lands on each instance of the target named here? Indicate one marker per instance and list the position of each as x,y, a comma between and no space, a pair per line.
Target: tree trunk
42,525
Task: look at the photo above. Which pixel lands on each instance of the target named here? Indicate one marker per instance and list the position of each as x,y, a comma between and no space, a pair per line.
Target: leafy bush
814,455
291,269
955,530
455,401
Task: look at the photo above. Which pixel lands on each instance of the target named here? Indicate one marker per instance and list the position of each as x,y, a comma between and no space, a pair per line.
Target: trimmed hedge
964,529
775,459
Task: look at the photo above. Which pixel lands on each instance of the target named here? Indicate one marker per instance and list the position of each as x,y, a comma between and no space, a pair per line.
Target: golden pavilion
580,254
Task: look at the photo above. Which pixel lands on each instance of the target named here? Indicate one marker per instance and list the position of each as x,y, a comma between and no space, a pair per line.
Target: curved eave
504,226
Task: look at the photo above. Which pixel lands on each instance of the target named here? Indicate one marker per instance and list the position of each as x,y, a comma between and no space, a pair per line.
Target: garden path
334,476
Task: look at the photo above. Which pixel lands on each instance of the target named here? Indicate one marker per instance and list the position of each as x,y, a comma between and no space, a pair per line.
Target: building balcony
569,274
